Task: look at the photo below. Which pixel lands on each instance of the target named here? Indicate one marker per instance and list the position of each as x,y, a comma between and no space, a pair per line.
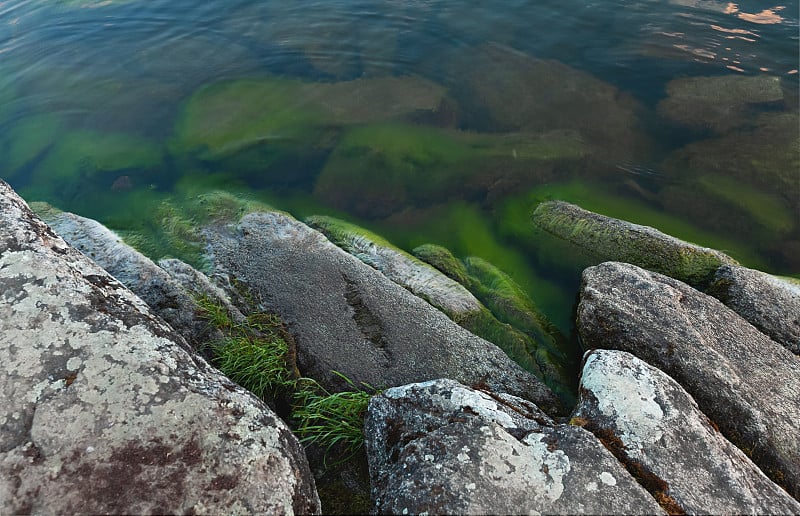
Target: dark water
426,121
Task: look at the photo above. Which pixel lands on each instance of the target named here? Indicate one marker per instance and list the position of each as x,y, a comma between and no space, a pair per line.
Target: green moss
441,258
343,233
612,239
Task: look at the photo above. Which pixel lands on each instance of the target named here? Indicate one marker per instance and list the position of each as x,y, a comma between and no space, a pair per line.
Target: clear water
108,109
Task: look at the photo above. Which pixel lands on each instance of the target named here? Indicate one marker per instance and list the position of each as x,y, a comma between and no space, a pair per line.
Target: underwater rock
104,409
508,90
719,103
745,382
613,239
442,448
769,303
422,166
766,156
656,430
347,317
441,258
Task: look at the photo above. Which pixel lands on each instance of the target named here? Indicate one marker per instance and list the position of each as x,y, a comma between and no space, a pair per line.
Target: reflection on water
429,121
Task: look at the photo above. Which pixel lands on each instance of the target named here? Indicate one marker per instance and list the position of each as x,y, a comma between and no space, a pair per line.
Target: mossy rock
441,258
26,140
618,240
719,103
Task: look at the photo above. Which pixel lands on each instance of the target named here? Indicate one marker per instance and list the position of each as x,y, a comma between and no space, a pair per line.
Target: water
425,121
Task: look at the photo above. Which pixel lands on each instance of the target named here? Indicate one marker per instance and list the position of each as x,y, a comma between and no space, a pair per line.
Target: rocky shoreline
687,399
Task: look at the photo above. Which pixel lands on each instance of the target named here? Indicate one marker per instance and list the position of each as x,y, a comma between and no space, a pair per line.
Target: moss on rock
613,239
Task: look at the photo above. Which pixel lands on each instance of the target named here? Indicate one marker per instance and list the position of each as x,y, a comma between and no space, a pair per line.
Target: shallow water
462,116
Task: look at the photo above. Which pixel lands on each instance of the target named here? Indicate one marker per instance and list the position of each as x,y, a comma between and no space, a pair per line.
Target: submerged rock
104,409
440,447
347,317
720,103
27,140
655,428
745,382
613,239
769,303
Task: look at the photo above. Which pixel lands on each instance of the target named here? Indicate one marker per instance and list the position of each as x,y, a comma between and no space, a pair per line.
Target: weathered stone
613,239
720,103
655,428
440,447
104,409
769,303
345,316
745,382
147,280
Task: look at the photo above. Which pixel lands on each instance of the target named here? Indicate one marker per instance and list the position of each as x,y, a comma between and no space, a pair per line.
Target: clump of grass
258,355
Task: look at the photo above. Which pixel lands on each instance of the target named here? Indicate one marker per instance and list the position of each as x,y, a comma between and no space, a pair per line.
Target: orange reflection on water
765,17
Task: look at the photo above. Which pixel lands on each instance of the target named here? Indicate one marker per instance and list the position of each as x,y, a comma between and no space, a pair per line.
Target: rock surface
614,239
654,427
104,409
439,447
155,286
745,382
770,304
345,316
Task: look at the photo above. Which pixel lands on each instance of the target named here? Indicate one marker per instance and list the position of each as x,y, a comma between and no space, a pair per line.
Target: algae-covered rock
444,260
720,103
231,116
613,239
379,170
766,156
508,90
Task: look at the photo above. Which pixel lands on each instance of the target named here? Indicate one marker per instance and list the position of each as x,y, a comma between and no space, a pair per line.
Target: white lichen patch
481,403
630,398
608,479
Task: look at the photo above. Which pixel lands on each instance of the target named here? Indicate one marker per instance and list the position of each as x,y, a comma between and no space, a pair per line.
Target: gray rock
661,434
345,316
103,408
147,280
608,238
769,303
745,382
440,447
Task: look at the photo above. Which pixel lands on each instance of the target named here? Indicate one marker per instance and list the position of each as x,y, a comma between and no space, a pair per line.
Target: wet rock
720,103
440,447
745,382
769,303
345,316
613,239
655,428
105,409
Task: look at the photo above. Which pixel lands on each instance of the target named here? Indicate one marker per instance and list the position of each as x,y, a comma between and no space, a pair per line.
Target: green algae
441,258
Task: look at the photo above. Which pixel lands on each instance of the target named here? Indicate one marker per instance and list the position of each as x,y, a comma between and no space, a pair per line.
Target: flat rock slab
104,410
346,316
442,448
661,435
770,304
745,382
